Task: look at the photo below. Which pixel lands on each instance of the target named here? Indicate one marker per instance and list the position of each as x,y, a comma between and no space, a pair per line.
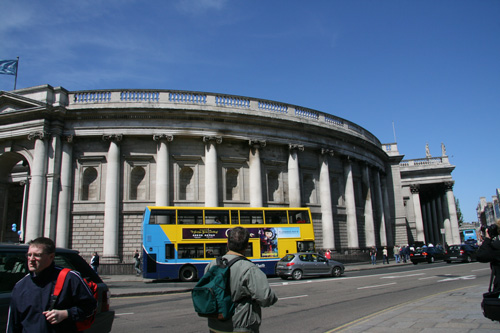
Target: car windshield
288,258
454,247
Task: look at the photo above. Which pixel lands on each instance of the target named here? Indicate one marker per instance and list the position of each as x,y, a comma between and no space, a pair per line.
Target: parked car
427,254
298,265
13,267
461,253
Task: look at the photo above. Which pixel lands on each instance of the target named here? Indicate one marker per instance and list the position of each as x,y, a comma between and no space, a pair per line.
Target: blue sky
431,67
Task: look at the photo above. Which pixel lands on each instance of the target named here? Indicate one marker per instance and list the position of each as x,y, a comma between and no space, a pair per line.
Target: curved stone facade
80,167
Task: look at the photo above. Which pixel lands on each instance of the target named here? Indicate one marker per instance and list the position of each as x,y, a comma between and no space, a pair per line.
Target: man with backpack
33,307
249,288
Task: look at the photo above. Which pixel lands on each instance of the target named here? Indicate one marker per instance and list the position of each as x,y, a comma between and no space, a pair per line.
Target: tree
460,217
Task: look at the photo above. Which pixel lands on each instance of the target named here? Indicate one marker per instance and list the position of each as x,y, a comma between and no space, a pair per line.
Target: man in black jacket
31,297
489,251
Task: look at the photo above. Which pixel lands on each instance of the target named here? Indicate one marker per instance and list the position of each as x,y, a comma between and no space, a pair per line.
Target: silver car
298,265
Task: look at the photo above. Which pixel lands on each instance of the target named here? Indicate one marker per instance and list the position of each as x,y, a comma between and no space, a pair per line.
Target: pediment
11,103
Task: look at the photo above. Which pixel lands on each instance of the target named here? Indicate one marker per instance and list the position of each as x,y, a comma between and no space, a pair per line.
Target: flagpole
17,70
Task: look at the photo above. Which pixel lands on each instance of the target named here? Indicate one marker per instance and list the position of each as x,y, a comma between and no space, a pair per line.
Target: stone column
64,206
381,209
211,183
350,205
112,203
452,209
448,233
255,172
294,175
326,201
389,222
369,222
36,203
53,181
162,169
24,212
419,222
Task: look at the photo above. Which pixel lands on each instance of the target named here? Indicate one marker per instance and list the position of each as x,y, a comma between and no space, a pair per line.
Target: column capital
167,137
68,138
112,137
292,147
38,135
326,151
414,188
217,139
448,186
257,143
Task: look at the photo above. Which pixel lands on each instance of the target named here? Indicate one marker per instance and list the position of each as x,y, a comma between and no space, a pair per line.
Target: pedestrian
250,289
94,262
328,254
373,255
489,251
385,256
396,254
30,306
137,264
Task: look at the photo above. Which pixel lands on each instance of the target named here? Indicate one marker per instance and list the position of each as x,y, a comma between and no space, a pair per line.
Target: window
299,217
232,188
89,184
216,250
216,217
251,217
276,217
186,183
191,251
234,217
169,251
305,246
137,184
161,216
190,216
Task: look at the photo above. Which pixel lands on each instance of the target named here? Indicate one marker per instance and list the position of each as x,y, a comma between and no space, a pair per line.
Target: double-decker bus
178,242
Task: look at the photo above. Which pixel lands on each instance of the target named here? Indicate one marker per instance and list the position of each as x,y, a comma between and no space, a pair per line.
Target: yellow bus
178,242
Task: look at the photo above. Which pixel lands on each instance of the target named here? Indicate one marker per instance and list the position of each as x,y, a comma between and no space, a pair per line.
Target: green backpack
212,294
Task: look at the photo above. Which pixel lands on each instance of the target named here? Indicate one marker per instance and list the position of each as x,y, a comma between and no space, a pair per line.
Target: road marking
291,297
289,283
379,285
482,269
400,276
429,277
124,314
468,277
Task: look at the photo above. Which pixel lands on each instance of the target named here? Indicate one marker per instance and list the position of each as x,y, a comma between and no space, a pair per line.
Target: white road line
291,297
482,269
124,314
400,276
380,285
429,277
468,277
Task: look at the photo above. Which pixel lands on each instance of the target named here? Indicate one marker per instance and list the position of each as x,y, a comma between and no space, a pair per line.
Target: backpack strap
58,287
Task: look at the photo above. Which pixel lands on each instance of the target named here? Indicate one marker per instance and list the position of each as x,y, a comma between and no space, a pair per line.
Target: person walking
386,256
489,251
396,254
250,289
137,264
94,262
30,306
373,255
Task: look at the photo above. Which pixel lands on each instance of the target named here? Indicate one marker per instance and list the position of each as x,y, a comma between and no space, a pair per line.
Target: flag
8,67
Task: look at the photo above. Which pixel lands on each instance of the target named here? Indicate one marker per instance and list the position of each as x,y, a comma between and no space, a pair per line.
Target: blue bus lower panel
171,270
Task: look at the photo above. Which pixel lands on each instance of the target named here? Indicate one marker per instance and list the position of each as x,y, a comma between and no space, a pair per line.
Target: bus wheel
187,274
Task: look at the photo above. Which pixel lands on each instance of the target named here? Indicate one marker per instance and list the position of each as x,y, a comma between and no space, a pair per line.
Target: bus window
276,217
249,251
191,251
216,250
169,251
299,217
234,217
305,246
162,216
216,217
190,216
251,217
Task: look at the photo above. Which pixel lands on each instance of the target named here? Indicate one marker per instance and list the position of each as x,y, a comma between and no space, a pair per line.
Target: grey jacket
250,291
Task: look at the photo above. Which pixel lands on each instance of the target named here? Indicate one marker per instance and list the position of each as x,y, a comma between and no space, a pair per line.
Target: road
309,305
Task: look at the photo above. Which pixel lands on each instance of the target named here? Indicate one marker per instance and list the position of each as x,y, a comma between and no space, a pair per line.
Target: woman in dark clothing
489,251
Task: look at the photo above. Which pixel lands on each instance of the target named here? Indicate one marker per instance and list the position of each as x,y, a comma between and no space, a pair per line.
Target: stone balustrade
174,98
423,162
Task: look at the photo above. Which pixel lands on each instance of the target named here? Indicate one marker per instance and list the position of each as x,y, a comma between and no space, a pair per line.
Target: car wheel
468,259
431,260
297,274
414,262
336,271
284,277
187,274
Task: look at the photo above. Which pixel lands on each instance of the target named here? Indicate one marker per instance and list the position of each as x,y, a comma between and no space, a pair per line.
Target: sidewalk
454,311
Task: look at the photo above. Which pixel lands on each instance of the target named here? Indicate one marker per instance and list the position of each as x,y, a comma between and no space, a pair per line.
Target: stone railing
174,98
422,162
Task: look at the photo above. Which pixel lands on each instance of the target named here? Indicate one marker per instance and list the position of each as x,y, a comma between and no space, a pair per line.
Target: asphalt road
309,305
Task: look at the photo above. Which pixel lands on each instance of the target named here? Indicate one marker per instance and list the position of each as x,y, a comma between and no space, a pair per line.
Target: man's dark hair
47,243
237,239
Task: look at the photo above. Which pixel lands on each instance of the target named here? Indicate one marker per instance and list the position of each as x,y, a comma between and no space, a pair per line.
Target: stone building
80,167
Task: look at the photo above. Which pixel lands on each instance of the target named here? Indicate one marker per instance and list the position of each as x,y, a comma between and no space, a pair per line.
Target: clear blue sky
431,67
